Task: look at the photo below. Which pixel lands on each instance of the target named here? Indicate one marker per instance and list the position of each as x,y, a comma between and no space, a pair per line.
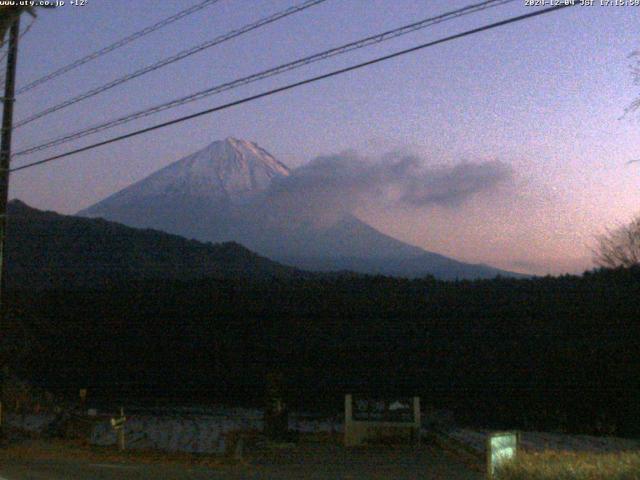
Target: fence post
118,424
416,418
121,441
348,421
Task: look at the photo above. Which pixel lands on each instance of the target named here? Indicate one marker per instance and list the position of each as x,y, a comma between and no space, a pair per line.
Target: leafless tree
635,73
619,247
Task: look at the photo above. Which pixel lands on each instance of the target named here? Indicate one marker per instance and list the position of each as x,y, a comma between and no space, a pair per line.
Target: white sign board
502,447
369,419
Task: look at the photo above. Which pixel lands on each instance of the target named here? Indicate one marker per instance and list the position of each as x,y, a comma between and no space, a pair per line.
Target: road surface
309,462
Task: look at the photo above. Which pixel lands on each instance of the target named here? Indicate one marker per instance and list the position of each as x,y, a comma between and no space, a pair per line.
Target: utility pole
5,158
5,141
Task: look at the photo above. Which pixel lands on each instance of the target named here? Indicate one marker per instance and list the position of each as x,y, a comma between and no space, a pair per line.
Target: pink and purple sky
543,97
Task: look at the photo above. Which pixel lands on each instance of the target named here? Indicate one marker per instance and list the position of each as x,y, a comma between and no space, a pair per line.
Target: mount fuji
217,194
200,196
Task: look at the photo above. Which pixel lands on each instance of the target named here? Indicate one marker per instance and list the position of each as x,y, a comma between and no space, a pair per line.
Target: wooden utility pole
5,156
5,141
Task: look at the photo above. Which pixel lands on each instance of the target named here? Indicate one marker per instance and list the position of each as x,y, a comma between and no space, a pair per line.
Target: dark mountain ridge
49,250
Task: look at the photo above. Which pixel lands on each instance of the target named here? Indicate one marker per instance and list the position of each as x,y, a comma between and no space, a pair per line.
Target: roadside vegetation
553,465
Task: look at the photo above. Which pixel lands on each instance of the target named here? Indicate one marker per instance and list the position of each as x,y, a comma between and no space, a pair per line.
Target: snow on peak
232,168
236,166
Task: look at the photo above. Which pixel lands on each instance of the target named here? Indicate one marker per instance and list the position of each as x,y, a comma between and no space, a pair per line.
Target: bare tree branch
635,74
619,247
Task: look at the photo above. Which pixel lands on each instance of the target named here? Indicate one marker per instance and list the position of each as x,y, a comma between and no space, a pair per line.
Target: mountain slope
197,194
48,250
372,252
222,193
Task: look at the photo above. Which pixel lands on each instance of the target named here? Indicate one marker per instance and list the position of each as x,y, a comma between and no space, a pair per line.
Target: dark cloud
450,187
336,185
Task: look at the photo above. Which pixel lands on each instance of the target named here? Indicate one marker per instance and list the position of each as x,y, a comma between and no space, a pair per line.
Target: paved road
309,462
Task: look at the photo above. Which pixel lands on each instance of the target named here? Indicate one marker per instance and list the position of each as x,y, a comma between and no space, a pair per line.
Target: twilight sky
538,101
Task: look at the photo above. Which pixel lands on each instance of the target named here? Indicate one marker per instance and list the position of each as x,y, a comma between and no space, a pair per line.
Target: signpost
118,426
371,419
502,447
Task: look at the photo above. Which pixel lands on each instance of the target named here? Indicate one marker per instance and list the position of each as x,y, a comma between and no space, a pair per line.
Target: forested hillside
545,353
49,250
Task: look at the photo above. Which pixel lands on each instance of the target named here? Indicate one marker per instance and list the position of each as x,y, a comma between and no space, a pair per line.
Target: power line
297,84
174,58
116,45
365,42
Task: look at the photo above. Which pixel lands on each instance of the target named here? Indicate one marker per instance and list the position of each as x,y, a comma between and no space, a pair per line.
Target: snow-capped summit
236,167
228,169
